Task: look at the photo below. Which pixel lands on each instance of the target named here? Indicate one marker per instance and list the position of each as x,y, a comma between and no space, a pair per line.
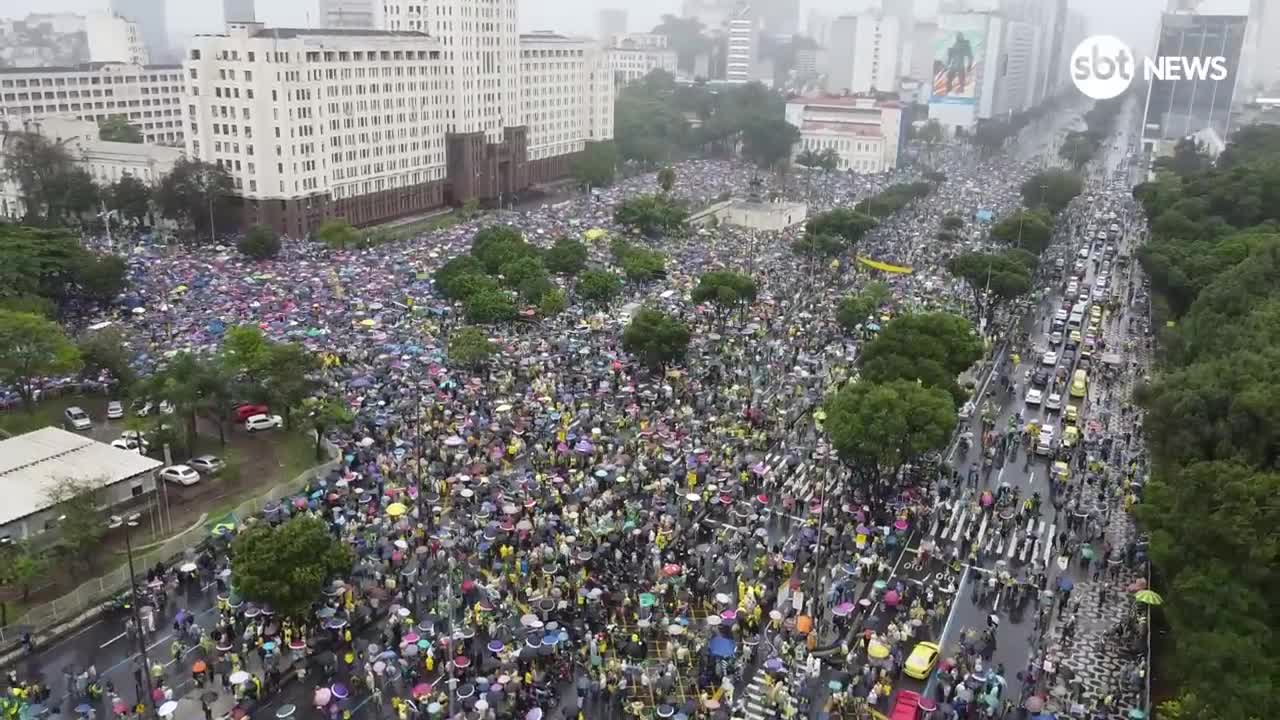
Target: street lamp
127,524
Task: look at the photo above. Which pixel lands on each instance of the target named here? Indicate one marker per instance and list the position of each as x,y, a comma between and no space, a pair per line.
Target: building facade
864,54
1262,49
115,39
968,58
151,19
743,45
566,97
1175,109
349,14
629,64
106,162
371,125
1018,72
149,96
866,134
780,18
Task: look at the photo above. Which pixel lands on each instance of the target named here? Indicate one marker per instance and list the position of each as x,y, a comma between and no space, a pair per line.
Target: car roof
179,468
75,408
205,458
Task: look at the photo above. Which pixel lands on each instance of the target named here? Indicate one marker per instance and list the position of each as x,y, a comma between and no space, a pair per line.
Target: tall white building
1019,74
350,14
612,21
238,11
151,19
631,60
149,96
743,46
371,125
1262,49
115,39
865,133
864,54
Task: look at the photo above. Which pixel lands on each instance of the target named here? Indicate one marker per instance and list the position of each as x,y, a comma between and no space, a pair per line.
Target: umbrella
1136,714
1065,584
238,677
322,697
285,711
1034,704
167,709
891,598
340,691
877,650
1148,597
721,647
397,509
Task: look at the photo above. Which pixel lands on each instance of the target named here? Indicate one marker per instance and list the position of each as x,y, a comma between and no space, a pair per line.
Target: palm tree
828,159
809,159
218,394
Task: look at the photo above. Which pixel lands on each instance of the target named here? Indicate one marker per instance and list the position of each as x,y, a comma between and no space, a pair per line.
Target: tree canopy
197,195
1211,422
1051,189
652,215
1031,230
929,348
876,428
337,234
856,309
657,338
118,129
844,223
993,277
32,347
259,243
567,256
726,289
470,347
599,286
54,189
594,166
287,566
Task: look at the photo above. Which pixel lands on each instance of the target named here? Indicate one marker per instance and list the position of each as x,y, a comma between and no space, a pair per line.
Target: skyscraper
864,54
150,18
743,45
778,17
1262,51
612,21
1178,108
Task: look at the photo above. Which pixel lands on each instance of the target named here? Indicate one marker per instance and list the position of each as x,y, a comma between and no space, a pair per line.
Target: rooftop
82,67
287,33
31,465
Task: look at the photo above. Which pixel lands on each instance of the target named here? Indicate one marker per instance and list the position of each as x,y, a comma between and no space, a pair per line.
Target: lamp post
127,524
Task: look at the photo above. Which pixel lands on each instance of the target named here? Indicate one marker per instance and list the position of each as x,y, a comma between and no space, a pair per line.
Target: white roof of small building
32,464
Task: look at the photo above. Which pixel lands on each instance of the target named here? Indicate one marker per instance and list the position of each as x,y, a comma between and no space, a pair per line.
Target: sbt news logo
1102,67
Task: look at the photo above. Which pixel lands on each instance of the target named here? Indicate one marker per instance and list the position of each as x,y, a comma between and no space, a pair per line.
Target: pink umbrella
322,698
409,639
891,598
421,690
900,524
842,609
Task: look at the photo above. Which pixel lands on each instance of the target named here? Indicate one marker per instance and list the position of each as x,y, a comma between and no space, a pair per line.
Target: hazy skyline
1133,20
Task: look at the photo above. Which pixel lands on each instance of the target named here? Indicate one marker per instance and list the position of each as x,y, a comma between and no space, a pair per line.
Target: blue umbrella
1065,584
721,647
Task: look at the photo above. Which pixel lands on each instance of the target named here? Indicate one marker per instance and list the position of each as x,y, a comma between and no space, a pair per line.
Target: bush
260,243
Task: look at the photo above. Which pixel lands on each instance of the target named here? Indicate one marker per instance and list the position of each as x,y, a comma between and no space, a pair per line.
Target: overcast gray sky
1132,20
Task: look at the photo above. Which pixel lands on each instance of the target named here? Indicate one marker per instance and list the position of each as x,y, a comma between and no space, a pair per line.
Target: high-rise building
1262,66
115,39
148,96
1018,71
968,58
864,52
151,19
905,12
612,21
818,27
350,14
743,46
631,56
371,125
238,11
713,14
1178,108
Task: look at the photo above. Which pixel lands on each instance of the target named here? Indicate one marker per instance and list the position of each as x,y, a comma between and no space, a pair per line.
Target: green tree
107,350
657,338
460,276
566,257
856,309
38,261
197,195
219,391
520,269
288,566
850,225
116,128
337,234
952,222
322,415
667,178
809,158
130,197
489,306
259,243
532,289
594,166
1031,230
50,184
767,141
932,135
819,246
246,349
33,347
1051,189
877,428
929,348
726,289
179,383
33,304
81,525
598,286
1079,148
686,38
553,303
469,347
100,278
993,278
287,378
652,215
21,567
498,245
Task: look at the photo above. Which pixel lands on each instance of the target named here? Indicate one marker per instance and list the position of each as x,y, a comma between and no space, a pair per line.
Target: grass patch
380,235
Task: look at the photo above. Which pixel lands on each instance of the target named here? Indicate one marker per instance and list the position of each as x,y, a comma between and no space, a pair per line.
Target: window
192,72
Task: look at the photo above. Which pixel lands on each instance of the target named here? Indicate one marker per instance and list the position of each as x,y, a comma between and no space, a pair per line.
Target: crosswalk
756,705
802,481
1032,542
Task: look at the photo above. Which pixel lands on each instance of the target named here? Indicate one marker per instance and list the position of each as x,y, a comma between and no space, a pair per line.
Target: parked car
180,474
263,422
207,464
115,410
76,418
143,408
166,407
244,412
130,444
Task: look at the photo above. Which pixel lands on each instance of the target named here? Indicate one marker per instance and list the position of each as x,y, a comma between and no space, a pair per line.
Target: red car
906,705
244,412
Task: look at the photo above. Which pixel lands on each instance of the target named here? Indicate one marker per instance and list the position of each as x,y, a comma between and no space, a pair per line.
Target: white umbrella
167,708
238,677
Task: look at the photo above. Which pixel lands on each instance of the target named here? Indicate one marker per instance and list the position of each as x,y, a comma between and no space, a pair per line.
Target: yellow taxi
921,660
1095,314
1070,436
1072,414
1076,338
1079,383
